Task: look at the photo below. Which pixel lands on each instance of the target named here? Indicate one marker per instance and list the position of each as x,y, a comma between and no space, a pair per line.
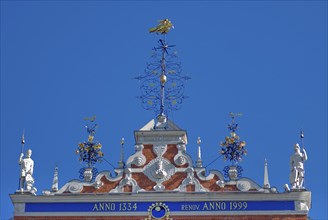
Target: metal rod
20,165
163,76
302,137
108,162
213,161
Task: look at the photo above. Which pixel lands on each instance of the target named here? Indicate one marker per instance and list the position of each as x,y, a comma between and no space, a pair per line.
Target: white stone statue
297,167
26,174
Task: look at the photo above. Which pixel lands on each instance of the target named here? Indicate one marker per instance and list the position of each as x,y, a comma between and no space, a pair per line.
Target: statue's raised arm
304,155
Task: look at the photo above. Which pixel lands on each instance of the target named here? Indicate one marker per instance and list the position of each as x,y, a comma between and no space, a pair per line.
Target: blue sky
63,61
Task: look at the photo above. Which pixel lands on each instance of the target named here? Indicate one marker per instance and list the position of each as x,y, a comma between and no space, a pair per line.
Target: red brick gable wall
171,151
146,184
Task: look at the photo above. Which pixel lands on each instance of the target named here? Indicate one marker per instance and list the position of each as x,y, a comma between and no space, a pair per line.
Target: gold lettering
211,205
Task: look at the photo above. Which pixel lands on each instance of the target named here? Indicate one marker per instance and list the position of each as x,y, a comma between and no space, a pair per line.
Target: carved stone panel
160,149
159,170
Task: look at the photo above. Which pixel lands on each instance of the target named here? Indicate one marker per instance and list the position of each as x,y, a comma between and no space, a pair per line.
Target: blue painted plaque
204,206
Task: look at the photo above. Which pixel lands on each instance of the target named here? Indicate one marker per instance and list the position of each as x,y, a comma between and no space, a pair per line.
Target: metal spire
266,183
161,117
162,84
54,187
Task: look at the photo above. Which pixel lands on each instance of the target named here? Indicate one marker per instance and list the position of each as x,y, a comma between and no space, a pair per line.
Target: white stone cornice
304,196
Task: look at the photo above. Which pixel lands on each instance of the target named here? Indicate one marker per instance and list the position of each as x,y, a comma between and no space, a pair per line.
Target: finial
266,184
121,162
89,152
233,148
199,162
54,187
162,84
234,115
199,141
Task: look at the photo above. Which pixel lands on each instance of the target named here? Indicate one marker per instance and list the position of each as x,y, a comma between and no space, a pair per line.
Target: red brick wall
170,153
256,217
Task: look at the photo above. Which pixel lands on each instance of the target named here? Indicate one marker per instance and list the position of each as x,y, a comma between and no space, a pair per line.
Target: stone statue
297,167
26,174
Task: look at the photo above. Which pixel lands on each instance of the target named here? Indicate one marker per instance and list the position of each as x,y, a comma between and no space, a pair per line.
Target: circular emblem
158,210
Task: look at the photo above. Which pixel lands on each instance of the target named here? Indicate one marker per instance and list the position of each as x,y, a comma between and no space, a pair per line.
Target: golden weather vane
163,27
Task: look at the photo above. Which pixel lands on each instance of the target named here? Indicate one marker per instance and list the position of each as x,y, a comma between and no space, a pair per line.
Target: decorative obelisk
199,162
54,187
266,184
121,163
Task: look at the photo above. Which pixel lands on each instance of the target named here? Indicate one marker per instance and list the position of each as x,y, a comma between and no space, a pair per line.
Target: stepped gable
160,163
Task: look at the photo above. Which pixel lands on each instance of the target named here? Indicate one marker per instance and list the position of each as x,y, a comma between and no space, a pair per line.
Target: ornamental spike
54,187
266,183
121,162
199,162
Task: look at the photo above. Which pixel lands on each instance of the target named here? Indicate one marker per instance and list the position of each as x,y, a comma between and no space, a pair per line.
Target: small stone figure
297,167
26,174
